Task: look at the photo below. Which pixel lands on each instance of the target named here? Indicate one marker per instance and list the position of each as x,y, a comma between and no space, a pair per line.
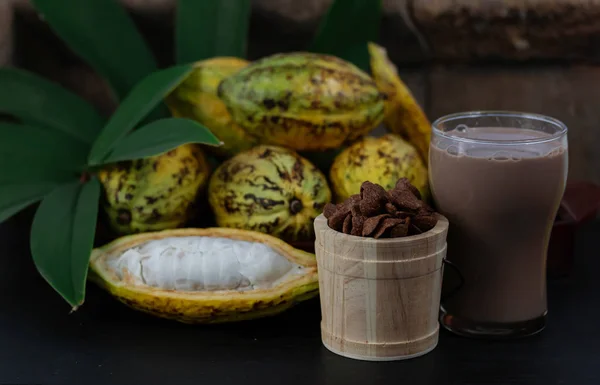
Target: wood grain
380,297
468,30
566,93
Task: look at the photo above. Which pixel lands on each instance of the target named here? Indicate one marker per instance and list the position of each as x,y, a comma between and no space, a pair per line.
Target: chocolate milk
501,202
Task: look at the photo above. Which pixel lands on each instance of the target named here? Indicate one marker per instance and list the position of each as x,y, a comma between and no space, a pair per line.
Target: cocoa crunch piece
425,219
357,225
347,225
391,209
336,214
373,199
348,203
401,229
385,226
404,184
428,208
404,214
413,230
336,221
377,213
372,223
355,210
371,189
405,200
329,210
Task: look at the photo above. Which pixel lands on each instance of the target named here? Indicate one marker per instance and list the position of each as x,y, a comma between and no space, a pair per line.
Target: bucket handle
461,279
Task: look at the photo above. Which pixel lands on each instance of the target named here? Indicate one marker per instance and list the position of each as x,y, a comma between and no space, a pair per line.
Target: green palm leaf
210,28
16,197
33,145
161,136
101,33
38,101
62,237
140,101
346,29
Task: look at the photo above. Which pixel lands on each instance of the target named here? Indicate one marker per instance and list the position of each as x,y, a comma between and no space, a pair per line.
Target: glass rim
501,113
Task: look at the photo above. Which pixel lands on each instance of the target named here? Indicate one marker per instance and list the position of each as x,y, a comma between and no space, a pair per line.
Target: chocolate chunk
404,184
401,229
372,223
347,226
329,210
386,225
357,225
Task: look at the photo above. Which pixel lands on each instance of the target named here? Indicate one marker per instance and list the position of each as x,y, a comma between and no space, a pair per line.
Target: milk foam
501,150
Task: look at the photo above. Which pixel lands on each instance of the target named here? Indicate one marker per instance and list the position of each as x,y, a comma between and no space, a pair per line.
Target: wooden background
455,55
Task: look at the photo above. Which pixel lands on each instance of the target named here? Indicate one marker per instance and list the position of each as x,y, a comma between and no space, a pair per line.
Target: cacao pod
210,275
403,115
382,161
269,189
303,101
154,193
196,98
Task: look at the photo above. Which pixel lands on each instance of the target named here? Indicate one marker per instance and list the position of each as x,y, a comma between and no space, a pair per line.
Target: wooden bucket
380,298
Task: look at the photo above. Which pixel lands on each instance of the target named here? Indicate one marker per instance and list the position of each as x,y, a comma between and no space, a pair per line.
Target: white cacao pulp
202,263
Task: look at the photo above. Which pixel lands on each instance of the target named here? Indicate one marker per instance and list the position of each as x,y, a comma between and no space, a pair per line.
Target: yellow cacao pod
381,160
207,276
269,189
196,98
403,115
154,193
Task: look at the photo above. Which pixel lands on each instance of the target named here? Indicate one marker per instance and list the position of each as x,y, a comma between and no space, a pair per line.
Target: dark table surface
106,343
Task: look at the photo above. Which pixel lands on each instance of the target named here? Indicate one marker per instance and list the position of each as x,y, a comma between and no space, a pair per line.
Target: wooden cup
380,298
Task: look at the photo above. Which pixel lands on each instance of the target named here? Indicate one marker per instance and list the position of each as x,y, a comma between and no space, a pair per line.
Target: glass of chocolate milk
499,178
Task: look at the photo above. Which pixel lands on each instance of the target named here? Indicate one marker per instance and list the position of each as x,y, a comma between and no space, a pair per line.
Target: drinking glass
499,178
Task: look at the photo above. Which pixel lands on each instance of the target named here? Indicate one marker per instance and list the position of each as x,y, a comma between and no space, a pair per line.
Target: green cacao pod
304,101
196,98
154,193
269,189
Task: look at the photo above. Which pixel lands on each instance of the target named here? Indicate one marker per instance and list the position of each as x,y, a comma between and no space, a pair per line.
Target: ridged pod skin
304,101
269,189
196,98
208,307
155,193
381,160
403,115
